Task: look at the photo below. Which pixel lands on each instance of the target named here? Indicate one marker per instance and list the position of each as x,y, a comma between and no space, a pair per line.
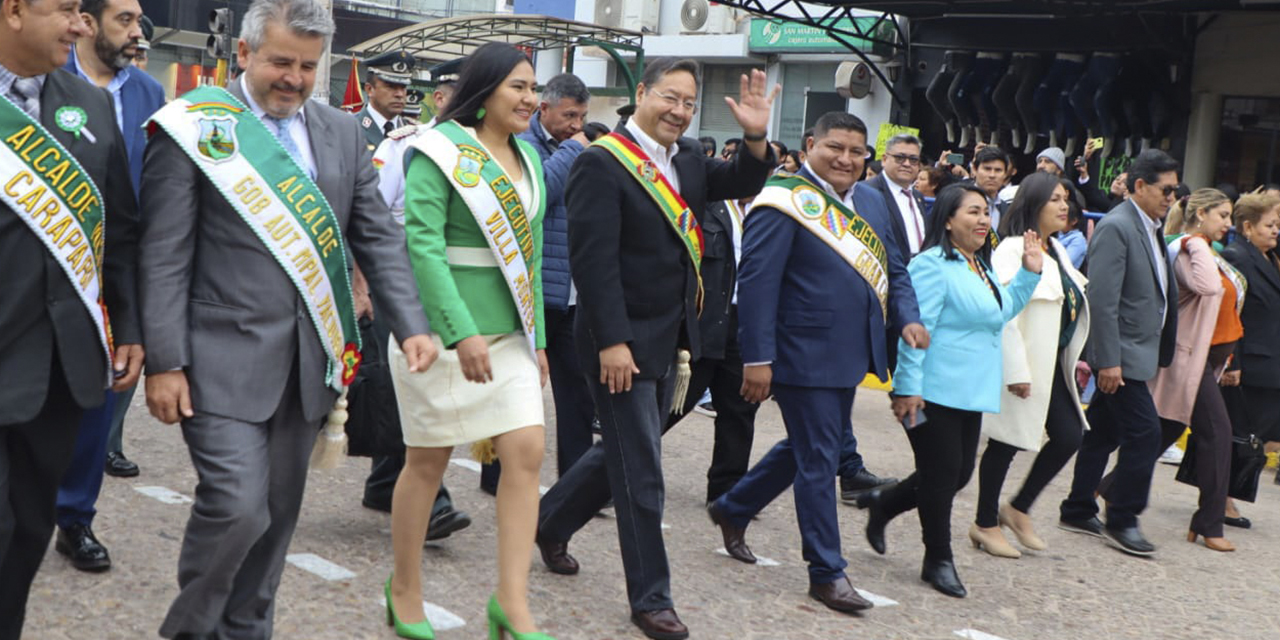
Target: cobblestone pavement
1077,589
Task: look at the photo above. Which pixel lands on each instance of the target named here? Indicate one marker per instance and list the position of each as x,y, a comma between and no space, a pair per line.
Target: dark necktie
388,127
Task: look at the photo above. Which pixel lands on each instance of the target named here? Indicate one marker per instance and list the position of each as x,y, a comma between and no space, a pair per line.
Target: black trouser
627,465
385,470
945,446
1211,432
1062,424
735,417
33,457
1124,420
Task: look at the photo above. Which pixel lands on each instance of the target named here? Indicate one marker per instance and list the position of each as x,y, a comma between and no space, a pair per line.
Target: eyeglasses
1168,190
903,158
673,102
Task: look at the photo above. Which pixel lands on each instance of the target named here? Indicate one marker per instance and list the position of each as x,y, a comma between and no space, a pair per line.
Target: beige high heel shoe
992,541
1217,544
1020,524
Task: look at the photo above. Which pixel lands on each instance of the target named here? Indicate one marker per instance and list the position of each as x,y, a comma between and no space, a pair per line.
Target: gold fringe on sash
484,452
684,373
331,446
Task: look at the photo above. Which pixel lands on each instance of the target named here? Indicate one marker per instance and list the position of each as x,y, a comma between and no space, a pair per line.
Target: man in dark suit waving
821,282
236,290
634,199
70,317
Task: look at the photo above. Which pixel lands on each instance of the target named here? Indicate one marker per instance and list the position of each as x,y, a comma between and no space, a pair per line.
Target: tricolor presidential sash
282,206
677,212
491,196
47,188
840,227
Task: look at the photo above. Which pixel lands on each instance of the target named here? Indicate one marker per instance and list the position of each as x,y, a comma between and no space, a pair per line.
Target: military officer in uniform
412,107
386,83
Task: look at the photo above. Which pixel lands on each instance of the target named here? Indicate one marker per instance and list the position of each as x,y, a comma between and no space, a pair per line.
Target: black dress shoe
556,556
839,596
1129,540
1090,527
855,485
941,574
662,624
877,519
119,466
734,537
86,553
446,522
1240,522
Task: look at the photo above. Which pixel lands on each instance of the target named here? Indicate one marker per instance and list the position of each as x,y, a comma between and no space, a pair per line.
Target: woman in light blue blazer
941,392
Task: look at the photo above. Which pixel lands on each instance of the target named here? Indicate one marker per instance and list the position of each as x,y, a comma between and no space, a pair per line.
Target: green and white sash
281,205
491,196
47,188
840,227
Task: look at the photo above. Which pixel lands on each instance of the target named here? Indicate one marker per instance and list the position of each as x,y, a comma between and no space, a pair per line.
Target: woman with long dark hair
1040,347
473,221
941,392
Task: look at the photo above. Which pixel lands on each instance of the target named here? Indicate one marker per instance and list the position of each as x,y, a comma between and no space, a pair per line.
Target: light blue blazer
963,366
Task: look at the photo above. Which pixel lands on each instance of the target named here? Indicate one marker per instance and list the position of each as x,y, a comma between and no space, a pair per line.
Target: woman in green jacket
473,220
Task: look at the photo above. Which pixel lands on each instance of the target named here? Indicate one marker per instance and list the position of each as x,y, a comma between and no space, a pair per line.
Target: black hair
733,142
565,85
945,208
795,155
482,73
838,120
782,149
658,67
93,8
990,153
1148,166
595,130
1229,190
876,166
1033,194
708,144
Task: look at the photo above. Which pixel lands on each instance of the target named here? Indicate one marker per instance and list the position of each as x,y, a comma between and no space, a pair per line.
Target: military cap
395,67
148,32
413,102
447,72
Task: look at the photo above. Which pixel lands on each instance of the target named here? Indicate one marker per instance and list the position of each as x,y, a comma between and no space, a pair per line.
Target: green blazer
463,301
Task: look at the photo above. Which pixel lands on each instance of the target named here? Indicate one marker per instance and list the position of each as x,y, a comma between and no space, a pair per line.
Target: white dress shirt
912,217
660,156
114,87
381,122
1161,254
846,199
297,129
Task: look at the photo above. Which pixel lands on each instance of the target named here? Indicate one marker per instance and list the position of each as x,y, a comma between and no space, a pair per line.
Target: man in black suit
56,360
635,263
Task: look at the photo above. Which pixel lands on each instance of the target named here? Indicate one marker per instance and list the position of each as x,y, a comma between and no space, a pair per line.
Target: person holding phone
1041,347
964,308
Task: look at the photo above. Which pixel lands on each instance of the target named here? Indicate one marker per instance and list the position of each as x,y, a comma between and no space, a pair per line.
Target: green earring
480,114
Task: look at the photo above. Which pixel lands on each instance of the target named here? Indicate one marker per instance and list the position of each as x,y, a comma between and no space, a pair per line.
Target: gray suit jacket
1127,329
217,304
41,311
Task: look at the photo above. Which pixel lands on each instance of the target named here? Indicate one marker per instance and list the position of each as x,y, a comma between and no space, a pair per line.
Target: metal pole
321,91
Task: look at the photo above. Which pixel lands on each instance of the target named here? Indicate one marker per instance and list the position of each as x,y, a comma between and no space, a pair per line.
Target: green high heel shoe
499,626
416,631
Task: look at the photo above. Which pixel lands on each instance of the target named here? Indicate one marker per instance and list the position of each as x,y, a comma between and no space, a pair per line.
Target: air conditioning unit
636,15
702,16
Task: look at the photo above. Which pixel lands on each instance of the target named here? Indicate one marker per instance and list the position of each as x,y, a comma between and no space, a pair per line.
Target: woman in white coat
1041,346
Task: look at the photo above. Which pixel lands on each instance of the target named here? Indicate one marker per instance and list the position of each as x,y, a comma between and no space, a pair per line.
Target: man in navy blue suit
105,58
820,281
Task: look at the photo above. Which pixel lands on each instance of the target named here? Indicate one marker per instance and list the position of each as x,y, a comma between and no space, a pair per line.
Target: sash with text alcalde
840,227
491,196
641,167
281,205
47,188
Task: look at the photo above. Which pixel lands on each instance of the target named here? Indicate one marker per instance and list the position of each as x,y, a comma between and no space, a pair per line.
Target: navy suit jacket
141,96
806,310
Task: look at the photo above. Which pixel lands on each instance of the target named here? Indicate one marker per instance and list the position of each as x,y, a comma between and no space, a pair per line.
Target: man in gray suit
1133,300
234,354
54,355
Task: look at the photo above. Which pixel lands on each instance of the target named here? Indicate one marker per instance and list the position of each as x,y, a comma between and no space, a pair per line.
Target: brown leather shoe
734,541
556,556
840,596
662,624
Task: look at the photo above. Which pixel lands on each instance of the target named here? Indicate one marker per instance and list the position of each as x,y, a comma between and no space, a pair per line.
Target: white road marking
165,495
441,618
313,563
974,634
877,600
761,561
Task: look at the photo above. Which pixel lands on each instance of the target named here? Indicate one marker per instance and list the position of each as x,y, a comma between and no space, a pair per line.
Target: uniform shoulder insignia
403,132
367,122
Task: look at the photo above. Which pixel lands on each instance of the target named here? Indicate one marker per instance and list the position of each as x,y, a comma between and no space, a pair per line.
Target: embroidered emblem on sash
470,159
809,201
217,138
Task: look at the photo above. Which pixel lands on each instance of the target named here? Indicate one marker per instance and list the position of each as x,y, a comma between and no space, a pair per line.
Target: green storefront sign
781,36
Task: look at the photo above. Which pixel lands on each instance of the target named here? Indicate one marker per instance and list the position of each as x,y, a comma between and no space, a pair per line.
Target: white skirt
441,408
